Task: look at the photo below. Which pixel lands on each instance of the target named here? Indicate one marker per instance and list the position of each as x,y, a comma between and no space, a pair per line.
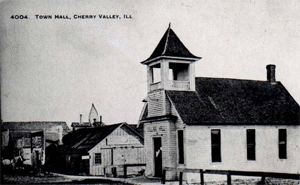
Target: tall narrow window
112,156
282,143
216,145
180,147
97,158
250,144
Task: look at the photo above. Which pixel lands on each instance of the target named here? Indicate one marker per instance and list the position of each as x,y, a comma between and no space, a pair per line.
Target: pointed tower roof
170,46
93,107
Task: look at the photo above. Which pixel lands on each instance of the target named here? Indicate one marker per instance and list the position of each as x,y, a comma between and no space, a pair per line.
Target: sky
54,69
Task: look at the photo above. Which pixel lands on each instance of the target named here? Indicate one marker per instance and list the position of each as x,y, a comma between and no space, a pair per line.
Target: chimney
80,118
100,119
60,134
271,73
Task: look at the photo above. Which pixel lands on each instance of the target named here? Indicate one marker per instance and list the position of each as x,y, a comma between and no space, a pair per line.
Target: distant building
93,116
94,120
30,139
215,123
103,150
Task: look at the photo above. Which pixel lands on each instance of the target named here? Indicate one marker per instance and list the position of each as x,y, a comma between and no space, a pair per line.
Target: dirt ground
30,179
54,179
269,181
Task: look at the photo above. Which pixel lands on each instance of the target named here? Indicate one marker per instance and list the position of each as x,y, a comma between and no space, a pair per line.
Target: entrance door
157,157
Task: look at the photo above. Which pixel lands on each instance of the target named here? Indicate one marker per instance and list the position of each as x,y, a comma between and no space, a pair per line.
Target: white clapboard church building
215,123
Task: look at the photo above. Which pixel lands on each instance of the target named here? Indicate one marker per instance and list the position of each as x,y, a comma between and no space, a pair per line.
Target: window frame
96,158
251,144
282,143
180,148
216,146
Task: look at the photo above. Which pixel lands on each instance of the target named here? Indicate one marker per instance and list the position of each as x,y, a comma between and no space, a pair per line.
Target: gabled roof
235,102
34,125
170,46
86,138
94,137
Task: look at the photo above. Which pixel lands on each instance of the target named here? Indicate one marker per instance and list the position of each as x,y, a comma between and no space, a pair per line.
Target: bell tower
169,68
171,65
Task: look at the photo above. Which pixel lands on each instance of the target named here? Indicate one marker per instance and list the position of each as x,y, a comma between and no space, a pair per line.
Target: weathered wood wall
121,147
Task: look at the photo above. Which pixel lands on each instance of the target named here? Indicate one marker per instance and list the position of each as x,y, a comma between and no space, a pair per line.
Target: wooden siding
165,130
122,146
156,103
234,149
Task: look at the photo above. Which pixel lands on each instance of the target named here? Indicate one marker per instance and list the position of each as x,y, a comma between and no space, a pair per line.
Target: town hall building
215,123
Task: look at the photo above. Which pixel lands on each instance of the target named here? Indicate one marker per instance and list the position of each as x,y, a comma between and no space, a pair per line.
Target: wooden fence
229,173
124,166
130,165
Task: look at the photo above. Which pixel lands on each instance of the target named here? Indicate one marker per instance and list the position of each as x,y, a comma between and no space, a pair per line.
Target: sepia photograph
150,92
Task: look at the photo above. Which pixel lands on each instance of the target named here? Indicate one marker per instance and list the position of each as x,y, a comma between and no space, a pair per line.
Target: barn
215,123
104,150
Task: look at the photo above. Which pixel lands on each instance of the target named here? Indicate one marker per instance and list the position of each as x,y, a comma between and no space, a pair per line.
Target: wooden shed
104,150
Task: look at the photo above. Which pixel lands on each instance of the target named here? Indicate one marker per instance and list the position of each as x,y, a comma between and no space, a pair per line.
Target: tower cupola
171,65
93,116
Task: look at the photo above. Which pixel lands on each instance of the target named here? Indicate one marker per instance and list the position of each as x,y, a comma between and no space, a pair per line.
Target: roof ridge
199,77
167,39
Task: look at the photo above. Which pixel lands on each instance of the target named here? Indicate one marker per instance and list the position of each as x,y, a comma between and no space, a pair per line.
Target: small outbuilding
105,150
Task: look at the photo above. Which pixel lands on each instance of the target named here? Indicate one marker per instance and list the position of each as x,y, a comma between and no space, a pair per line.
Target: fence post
263,179
125,171
201,177
114,171
180,178
228,178
163,178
